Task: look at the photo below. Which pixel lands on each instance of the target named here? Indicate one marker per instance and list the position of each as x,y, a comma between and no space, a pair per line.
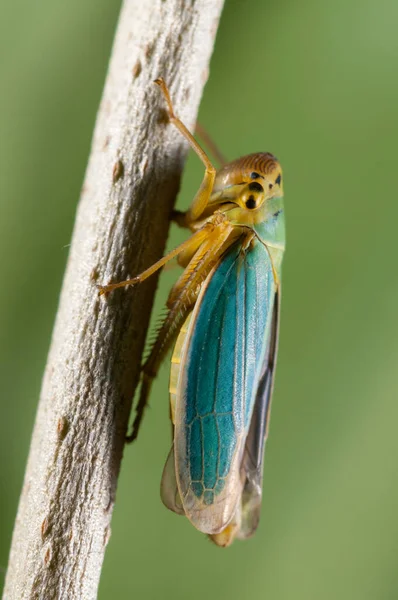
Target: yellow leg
203,261
203,194
164,340
180,302
195,240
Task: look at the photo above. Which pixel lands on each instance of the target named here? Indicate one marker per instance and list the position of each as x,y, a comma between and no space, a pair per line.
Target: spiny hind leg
203,194
180,302
179,305
178,312
146,384
164,340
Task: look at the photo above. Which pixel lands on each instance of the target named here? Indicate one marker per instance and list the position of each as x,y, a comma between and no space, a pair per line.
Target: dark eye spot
250,202
254,175
270,186
278,179
256,187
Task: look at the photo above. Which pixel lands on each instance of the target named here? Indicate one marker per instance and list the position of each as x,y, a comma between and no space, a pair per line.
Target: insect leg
164,340
180,302
224,235
203,194
196,239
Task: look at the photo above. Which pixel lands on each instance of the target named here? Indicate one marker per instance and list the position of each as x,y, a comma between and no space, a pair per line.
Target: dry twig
63,520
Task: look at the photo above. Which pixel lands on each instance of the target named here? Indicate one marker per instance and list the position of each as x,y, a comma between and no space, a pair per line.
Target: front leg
202,196
181,300
193,242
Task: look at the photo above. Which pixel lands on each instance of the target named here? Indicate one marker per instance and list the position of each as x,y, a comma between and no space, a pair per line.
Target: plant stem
63,521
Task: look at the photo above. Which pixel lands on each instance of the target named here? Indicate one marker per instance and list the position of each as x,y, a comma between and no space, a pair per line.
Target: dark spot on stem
47,557
137,69
45,528
94,274
118,171
62,428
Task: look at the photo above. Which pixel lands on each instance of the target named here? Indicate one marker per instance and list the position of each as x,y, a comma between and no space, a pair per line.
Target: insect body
223,319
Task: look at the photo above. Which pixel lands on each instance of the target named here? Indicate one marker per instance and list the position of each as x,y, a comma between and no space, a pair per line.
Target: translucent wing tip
213,518
168,488
251,508
210,511
245,520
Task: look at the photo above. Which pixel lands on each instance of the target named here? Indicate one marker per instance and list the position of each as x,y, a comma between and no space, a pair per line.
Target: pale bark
63,521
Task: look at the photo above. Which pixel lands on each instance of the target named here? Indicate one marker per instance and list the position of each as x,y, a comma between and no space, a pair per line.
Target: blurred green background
316,83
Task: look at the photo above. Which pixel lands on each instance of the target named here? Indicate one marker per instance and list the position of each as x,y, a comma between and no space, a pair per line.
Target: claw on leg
105,289
165,91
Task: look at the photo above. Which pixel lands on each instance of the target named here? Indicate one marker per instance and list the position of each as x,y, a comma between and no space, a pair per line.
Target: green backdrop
316,83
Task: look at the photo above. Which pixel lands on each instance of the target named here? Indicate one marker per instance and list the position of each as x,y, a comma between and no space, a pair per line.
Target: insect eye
256,187
278,179
254,175
250,202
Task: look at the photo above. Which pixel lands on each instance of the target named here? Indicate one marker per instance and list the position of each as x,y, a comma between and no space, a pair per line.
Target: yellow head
248,182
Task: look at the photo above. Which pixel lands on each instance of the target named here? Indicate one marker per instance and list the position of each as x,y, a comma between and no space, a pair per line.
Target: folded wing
221,370
253,459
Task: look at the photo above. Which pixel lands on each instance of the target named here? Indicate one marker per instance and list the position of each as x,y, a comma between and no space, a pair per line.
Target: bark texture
63,521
